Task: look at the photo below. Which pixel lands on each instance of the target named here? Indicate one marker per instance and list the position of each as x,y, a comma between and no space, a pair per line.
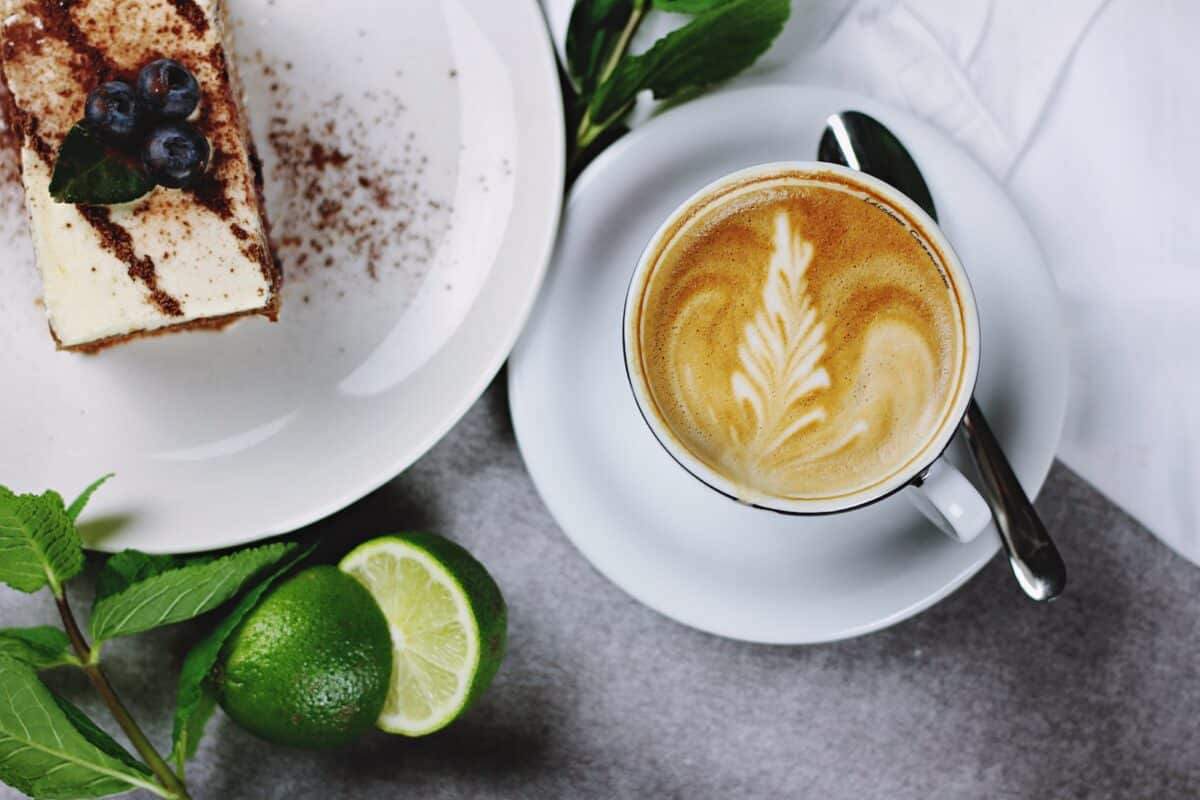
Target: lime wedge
447,621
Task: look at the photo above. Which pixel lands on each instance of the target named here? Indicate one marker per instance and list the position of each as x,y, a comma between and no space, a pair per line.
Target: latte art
780,354
800,339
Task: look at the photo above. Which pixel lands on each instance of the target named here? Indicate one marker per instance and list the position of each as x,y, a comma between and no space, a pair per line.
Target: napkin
1087,112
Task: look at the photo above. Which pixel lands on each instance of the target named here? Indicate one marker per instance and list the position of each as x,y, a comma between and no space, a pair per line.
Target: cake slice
175,258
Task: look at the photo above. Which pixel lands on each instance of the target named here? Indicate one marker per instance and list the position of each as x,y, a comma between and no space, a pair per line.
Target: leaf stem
588,132
99,680
631,26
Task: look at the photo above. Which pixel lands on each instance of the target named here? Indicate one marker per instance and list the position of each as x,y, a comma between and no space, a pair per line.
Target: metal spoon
861,142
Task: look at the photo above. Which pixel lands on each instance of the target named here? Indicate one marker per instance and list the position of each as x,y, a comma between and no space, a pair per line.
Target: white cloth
1089,112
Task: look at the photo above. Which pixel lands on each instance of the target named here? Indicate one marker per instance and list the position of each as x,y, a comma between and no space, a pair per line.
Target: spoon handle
1031,553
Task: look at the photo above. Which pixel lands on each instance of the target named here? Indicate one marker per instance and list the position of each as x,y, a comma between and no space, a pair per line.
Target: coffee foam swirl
800,340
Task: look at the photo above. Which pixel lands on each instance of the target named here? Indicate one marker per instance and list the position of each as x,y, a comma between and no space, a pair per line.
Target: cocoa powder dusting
12,208
118,241
10,172
320,155
192,13
212,191
345,202
93,65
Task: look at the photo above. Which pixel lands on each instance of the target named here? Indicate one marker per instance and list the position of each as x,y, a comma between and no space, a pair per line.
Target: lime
447,620
311,664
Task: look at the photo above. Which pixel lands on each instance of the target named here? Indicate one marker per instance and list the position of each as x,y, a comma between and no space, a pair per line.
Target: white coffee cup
931,482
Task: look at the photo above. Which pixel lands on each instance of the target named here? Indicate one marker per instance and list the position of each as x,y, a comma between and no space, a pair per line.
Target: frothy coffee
800,336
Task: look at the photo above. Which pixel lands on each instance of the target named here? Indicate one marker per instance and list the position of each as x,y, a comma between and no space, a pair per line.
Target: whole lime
310,666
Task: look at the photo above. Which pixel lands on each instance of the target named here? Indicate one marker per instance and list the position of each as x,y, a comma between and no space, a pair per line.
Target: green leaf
128,567
155,592
191,727
197,695
714,46
89,173
687,6
41,648
77,506
100,738
45,754
38,542
597,35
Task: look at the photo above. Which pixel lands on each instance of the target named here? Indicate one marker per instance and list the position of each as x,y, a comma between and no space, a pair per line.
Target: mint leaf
189,728
89,173
716,45
597,35
97,736
687,6
148,596
197,696
38,542
41,648
45,755
128,567
77,505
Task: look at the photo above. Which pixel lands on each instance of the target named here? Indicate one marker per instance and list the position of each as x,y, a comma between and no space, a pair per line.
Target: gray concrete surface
984,696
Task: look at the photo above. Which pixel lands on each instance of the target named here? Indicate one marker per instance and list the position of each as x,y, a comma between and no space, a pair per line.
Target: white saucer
450,114
660,535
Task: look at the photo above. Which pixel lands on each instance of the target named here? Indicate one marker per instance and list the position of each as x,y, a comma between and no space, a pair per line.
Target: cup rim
918,221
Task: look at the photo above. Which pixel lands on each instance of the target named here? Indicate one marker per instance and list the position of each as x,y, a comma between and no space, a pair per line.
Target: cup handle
950,502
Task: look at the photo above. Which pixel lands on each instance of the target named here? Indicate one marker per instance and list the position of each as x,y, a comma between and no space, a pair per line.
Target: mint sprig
128,568
49,748
597,37
88,172
80,502
163,590
46,751
723,38
38,542
197,693
42,647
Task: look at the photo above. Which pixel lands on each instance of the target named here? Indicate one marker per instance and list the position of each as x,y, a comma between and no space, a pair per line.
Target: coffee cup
802,338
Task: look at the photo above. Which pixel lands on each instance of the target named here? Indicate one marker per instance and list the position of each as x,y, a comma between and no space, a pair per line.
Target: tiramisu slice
150,83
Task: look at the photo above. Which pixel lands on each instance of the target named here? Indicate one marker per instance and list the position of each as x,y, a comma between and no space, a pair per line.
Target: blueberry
167,90
113,111
175,154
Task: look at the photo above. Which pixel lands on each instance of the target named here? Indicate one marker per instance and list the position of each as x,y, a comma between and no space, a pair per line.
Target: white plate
453,107
672,543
